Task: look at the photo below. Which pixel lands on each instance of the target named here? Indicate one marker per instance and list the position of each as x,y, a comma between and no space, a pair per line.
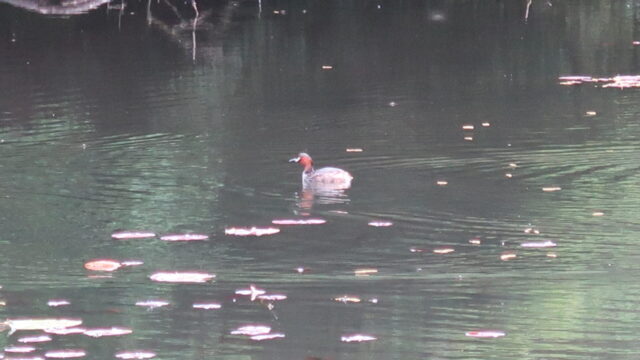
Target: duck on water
326,177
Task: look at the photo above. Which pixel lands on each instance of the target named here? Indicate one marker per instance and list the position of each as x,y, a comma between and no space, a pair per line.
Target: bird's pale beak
294,160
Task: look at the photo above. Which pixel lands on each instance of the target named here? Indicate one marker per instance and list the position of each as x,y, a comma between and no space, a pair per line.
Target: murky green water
109,123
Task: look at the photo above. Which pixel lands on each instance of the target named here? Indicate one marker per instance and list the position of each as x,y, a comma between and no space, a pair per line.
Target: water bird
326,177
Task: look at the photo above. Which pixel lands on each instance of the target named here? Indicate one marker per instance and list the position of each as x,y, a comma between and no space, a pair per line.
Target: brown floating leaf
102,265
508,255
443,250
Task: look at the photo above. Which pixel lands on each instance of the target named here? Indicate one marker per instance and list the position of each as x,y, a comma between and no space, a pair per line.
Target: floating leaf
348,299
65,353
272,297
252,291
132,263
298,221
365,271
132,234
252,231
152,303
485,334
443,250
34,339
65,331
551,188
184,237
135,355
539,244
20,349
207,306
58,302
102,265
508,255
112,331
252,330
182,277
269,336
357,338
41,324
380,223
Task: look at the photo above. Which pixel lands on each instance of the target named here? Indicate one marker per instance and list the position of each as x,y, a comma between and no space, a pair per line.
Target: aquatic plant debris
618,81
112,331
103,265
357,338
184,237
135,355
132,234
485,333
181,277
298,221
65,353
252,231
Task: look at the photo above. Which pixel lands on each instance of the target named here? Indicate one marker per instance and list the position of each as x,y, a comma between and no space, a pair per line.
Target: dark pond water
113,120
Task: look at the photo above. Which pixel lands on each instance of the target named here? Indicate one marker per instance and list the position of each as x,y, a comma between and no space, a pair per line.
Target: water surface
107,122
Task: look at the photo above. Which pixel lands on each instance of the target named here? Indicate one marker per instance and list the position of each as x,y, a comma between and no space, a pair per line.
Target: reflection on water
106,123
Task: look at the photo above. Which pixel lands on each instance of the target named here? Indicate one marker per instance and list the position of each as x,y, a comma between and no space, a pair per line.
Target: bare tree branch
64,7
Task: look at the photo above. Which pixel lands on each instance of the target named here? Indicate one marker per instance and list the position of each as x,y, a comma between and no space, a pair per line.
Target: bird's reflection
308,197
